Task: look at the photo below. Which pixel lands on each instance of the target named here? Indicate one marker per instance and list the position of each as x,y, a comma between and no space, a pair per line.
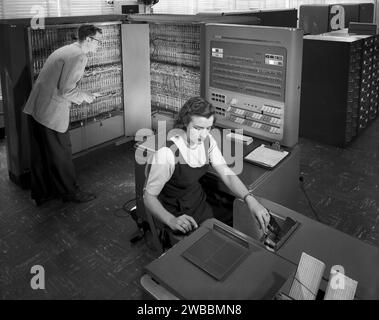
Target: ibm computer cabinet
117,71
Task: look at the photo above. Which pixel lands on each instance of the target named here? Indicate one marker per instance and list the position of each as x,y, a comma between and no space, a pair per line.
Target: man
52,170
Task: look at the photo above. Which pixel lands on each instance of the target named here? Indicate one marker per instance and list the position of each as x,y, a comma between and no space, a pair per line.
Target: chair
163,237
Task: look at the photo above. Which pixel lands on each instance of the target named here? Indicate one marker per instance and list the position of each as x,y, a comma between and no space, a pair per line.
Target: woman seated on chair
172,192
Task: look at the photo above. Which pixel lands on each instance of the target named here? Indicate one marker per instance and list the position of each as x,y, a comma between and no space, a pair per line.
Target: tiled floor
343,184
85,248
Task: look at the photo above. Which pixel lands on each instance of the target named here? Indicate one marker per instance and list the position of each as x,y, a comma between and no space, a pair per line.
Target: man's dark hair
195,106
87,30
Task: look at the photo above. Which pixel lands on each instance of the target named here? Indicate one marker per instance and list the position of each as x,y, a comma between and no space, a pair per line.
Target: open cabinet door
136,76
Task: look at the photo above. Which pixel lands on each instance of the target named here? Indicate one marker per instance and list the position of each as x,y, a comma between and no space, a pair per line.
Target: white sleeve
215,156
161,170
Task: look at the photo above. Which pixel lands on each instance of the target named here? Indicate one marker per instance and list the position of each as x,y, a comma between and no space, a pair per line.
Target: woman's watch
248,194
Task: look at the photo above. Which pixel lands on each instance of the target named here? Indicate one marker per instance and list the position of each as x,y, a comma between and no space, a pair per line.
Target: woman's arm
183,223
161,170
235,185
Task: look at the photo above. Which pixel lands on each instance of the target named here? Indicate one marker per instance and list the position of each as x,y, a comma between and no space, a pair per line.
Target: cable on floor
301,179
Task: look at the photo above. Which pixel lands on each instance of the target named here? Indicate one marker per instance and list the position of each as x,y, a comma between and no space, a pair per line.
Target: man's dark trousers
52,169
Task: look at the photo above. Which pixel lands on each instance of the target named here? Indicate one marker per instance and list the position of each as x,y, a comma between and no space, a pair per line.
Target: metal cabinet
118,71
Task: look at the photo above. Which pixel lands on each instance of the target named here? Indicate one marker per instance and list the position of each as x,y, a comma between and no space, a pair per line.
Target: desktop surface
359,259
259,275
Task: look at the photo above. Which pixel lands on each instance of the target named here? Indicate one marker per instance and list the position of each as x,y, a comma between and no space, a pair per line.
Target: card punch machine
279,230
220,262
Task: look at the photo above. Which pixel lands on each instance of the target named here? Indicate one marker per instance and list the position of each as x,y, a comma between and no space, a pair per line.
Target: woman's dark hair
87,30
195,106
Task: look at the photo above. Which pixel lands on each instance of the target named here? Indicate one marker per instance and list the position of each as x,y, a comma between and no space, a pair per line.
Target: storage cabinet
339,96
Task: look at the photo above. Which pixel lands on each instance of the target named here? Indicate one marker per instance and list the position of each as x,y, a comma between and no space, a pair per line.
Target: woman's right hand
183,223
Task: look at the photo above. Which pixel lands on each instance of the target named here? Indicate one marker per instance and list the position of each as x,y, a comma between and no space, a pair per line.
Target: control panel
253,81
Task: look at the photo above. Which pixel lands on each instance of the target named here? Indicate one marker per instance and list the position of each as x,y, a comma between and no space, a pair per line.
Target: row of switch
254,115
271,110
261,117
253,124
265,108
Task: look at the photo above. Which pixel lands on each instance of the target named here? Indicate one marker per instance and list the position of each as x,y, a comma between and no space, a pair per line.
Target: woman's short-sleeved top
163,161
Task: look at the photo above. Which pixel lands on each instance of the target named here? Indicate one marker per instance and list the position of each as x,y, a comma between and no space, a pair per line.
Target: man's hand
184,223
90,97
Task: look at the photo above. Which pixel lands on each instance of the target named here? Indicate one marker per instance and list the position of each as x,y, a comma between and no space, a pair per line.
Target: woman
173,193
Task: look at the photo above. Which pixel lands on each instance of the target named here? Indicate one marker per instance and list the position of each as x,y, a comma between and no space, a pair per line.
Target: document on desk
265,156
307,280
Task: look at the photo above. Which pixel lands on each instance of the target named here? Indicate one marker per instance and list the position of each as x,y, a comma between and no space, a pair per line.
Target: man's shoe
79,197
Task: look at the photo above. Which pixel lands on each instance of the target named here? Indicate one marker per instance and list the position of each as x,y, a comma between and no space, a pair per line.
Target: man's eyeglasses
98,41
